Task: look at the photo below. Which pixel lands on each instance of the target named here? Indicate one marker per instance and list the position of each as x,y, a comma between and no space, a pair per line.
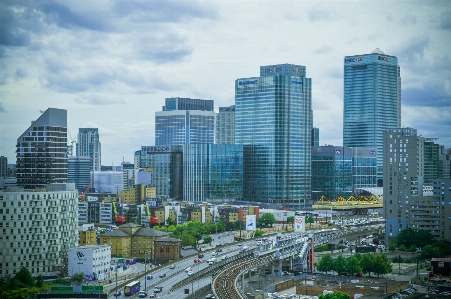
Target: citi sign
383,58
247,82
358,59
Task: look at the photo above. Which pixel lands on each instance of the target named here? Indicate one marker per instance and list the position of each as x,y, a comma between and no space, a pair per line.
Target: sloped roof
167,240
116,233
130,225
149,232
378,51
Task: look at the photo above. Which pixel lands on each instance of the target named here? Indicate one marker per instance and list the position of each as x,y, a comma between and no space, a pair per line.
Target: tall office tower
40,233
79,171
431,161
315,136
364,165
332,172
185,121
372,101
88,144
167,165
212,171
403,177
225,125
3,167
128,175
42,151
273,113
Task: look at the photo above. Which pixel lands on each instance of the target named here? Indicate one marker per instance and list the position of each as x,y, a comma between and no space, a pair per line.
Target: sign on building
251,222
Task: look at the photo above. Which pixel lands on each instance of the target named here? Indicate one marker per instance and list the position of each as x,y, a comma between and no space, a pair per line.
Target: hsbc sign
357,59
387,59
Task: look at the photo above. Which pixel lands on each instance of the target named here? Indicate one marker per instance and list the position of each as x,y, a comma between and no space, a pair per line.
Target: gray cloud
20,74
98,100
323,49
11,33
318,15
65,17
2,109
431,96
445,20
414,48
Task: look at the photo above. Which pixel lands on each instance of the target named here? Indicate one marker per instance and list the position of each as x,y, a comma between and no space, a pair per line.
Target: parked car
162,275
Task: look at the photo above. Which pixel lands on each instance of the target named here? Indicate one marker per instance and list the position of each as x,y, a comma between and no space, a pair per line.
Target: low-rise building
92,260
167,249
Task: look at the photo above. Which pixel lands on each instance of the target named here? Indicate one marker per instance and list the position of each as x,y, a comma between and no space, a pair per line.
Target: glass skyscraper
273,114
212,171
372,101
185,121
88,145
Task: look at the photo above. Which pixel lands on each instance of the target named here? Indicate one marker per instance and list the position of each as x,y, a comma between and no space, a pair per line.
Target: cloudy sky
111,64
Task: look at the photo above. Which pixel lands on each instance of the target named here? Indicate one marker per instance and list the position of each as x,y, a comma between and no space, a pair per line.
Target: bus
132,287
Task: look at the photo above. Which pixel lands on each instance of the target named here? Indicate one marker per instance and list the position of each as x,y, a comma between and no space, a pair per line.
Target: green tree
24,277
402,247
221,226
310,220
406,237
188,240
413,247
392,247
268,219
326,263
423,238
39,281
353,265
336,295
170,221
290,220
78,278
340,264
207,239
381,265
443,246
397,259
366,262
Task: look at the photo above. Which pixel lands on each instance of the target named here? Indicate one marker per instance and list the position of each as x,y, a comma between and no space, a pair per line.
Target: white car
189,273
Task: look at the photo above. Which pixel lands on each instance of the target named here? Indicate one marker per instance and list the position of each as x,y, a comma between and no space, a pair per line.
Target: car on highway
188,269
285,273
197,261
117,293
149,276
162,275
219,250
190,273
157,289
153,295
172,266
200,255
210,296
142,294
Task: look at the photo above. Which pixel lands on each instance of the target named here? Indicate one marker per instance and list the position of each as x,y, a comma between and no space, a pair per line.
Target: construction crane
73,141
119,219
152,219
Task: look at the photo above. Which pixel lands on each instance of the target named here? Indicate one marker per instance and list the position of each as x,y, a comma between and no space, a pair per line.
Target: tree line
358,263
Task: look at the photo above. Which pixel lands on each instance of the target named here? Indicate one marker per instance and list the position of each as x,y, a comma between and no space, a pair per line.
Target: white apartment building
37,229
92,260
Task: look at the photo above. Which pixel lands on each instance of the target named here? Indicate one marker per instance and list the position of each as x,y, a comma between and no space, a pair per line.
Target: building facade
364,167
3,167
88,145
107,181
431,161
79,172
403,178
225,125
41,151
372,101
212,171
315,136
332,172
166,163
38,229
273,115
90,260
185,121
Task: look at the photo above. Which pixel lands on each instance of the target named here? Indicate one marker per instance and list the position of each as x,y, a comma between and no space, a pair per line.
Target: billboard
299,224
251,222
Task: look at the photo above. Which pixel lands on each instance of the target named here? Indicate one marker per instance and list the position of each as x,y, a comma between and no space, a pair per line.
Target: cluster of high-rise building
262,149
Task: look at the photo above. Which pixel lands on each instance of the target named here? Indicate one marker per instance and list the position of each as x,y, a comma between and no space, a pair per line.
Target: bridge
350,203
298,250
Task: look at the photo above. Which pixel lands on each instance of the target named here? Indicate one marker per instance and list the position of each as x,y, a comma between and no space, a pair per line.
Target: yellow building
87,237
137,194
132,241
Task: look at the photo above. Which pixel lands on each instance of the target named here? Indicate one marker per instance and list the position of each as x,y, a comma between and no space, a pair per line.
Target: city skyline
112,66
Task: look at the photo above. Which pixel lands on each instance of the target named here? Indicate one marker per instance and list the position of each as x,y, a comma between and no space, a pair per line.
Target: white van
211,261
188,269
